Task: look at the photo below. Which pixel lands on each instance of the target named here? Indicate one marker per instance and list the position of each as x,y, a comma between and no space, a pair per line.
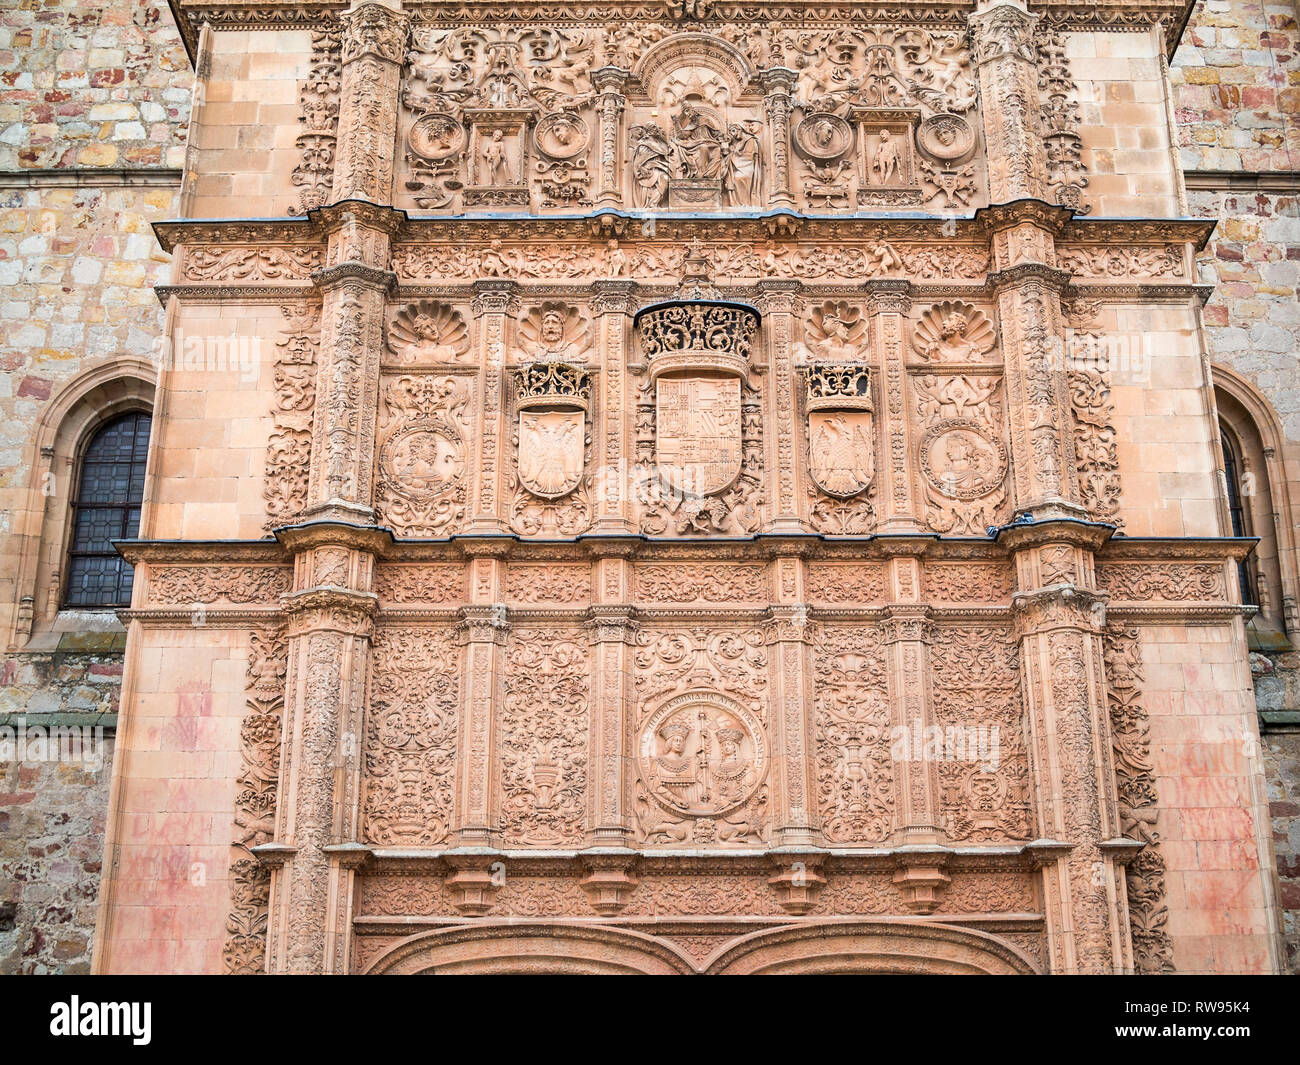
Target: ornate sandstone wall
645,681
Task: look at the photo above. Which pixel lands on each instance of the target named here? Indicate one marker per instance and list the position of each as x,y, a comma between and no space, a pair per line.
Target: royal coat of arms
697,433
550,451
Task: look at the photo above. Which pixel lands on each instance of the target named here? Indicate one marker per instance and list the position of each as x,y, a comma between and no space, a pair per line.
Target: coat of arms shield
697,432
840,451
550,451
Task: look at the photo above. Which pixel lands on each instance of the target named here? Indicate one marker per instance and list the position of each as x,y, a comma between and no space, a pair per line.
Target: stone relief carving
288,450
554,332
552,441
1093,413
1148,582
257,784
955,332
1138,801
984,791
421,488
544,726
425,583
409,769
212,584
318,101
963,460
428,332
267,263
702,755
841,448
855,775
1059,115
711,584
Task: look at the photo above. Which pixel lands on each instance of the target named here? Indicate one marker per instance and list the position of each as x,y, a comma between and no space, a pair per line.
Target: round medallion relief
945,137
962,459
436,137
823,137
561,135
702,754
423,460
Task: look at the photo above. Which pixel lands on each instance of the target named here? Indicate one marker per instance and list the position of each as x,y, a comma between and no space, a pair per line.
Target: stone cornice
682,227
190,15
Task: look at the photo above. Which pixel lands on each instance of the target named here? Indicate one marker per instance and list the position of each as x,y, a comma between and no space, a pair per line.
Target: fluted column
610,103
888,303
1060,619
612,304
495,302
779,302
778,85
790,638
1002,45
374,48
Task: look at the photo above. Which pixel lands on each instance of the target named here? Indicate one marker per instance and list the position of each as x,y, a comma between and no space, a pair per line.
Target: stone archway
537,948
844,947
869,945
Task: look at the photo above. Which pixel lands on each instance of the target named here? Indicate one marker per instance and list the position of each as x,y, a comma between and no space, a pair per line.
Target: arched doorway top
537,947
869,945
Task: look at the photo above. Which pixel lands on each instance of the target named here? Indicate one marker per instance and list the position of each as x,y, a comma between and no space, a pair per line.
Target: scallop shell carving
428,331
954,332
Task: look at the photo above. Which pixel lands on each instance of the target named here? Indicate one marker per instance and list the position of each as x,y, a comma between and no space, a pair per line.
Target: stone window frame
1246,423
71,418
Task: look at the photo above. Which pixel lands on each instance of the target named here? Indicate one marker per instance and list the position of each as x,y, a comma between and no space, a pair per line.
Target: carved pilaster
374,47
484,628
611,633
1060,620
610,102
613,302
778,85
789,638
888,303
906,632
779,302
1038,399
494,303
1002,43
314,854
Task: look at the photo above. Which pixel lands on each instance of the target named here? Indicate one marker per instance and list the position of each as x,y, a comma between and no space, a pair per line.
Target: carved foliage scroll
1138,803
855,773
411,732
544,726
288,452
319,113
259,772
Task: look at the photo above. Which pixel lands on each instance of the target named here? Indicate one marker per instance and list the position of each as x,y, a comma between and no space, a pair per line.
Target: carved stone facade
677,499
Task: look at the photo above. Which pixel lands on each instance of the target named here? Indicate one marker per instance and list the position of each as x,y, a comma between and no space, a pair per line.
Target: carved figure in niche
494,158
554,333
887,166
651,169
428,332
697,144
426,461
836,332
615,260
744,179
955,332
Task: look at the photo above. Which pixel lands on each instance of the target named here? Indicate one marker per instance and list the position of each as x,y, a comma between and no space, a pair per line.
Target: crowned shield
550,451
697,432
840,451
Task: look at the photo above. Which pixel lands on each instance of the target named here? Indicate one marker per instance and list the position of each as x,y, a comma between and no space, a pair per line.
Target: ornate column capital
374,29
787,624
778,81
1003,30
485,624
887,296
330,609
906,623
778,295
611,624
610,80
613,297
495,296
1058,607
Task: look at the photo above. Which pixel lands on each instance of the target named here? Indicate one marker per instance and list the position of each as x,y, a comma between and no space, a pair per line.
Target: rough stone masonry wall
1236,80
86,92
